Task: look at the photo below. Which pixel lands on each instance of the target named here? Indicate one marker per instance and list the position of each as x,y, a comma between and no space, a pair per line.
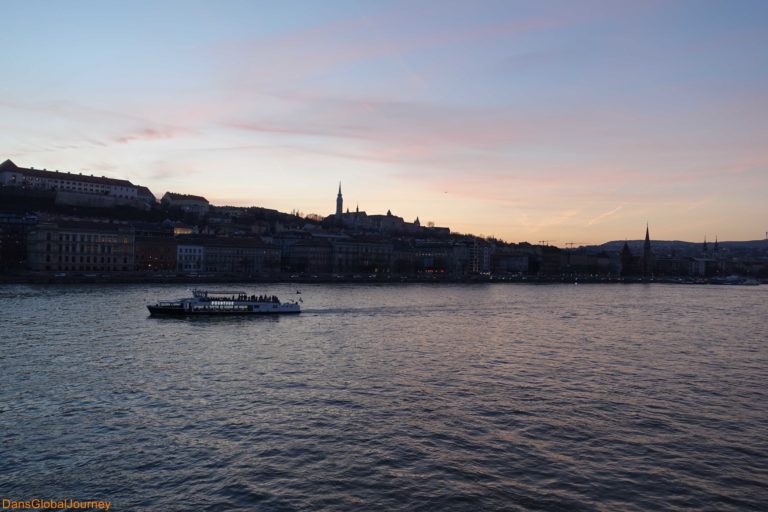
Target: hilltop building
75,189
196,205
146,195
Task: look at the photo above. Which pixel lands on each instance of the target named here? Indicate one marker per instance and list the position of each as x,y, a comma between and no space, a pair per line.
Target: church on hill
361,221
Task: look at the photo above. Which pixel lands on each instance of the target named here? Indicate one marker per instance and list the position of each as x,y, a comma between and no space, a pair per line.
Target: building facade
80,246
189,257
240,256
215,255
312,255
361,254
155,254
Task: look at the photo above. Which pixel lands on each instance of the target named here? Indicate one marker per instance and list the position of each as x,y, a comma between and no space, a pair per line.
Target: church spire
339,202
647,255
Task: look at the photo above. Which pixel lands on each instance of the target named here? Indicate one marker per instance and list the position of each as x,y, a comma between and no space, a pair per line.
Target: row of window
68,183
98,249
85,259
222,307
87,268
67,237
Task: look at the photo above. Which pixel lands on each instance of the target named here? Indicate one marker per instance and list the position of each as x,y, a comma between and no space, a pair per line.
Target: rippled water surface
417,397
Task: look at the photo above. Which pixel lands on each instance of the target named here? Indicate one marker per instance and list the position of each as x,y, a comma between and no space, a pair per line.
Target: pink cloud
92,125
146,134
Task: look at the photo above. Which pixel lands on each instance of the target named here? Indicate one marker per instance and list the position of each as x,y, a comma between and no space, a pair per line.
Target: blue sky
567,121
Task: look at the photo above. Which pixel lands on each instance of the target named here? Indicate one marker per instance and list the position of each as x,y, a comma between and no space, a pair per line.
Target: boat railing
199,292
170,303
231,295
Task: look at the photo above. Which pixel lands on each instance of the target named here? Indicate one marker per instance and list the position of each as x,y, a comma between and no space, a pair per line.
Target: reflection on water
416,397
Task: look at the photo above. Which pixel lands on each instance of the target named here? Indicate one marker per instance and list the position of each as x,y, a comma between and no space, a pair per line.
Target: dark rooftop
180,197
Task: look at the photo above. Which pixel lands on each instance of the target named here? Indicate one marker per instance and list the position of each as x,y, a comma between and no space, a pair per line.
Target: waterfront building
361,254
470,256
240,256
284,240
480,256
80,246
13,240
510,261
155,254
433,257
309,255
705,267
587,264
218,255
548,260
403,257
189,257
676,266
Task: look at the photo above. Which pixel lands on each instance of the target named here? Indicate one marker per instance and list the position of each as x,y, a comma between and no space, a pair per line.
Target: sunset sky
571,121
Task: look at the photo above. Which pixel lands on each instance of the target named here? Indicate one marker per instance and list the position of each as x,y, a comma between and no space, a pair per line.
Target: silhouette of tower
339,202
626,260
647,256
706,249
717,245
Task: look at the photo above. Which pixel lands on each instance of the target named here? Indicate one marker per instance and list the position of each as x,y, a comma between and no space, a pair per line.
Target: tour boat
213,303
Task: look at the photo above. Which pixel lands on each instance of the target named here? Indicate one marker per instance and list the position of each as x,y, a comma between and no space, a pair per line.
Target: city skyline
524,121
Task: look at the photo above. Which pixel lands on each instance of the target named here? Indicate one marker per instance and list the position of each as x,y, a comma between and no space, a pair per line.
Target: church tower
339,203
647,255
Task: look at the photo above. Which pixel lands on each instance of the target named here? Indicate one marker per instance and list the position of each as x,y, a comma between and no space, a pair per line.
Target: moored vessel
214,303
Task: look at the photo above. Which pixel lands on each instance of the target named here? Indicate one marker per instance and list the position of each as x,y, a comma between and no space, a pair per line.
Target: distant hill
664,247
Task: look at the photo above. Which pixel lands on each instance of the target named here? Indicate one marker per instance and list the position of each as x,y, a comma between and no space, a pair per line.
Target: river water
390,397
